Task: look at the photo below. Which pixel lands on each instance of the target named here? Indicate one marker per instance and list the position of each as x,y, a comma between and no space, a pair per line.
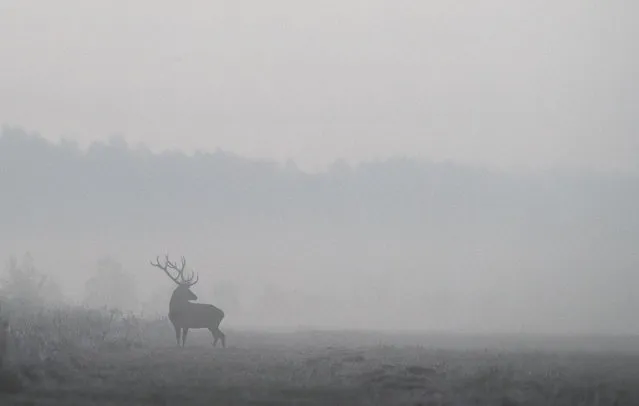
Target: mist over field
386,203
395,244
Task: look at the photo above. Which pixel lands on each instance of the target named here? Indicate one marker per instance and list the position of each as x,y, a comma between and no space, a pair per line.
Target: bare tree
182,313
4,338
25,285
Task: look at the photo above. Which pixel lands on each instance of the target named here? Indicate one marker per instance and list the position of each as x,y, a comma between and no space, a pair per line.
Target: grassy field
336,368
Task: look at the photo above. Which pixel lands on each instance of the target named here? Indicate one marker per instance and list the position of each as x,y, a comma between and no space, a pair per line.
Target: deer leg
177,334
214,336
222,337
184,332
218,335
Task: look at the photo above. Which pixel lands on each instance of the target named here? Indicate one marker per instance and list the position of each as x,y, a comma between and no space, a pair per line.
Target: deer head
183,291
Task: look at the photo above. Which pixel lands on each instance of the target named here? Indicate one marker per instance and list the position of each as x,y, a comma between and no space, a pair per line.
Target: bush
66,334
46,334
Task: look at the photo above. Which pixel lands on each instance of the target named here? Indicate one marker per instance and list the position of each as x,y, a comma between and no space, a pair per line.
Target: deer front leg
177,334
184,332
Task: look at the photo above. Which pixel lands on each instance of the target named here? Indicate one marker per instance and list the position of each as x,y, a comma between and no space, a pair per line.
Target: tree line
441,236
59,183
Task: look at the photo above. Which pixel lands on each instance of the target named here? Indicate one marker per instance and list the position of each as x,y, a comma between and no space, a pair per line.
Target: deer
184,314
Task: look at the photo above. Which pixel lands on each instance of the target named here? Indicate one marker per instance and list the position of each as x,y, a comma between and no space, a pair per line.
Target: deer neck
176,303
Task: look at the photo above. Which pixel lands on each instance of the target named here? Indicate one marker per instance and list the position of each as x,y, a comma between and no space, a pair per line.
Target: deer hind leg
184,333
214,334
218,335
223,337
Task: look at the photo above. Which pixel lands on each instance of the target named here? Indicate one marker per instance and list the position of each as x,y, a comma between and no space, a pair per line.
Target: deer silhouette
184,314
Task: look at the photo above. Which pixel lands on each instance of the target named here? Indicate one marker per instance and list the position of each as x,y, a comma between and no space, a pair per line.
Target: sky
518,85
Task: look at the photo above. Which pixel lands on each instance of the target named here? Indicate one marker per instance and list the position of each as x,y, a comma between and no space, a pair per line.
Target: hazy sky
535,83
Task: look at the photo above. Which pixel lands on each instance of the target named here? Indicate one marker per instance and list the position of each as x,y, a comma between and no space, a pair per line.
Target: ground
324,369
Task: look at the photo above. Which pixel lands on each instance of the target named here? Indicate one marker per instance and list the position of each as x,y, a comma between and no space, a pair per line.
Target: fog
364,165
396,244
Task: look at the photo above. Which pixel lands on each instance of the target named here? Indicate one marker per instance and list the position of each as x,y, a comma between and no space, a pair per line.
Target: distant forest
45,183
440,244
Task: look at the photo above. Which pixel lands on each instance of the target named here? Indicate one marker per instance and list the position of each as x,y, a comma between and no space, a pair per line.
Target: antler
179,279
185,281
164,268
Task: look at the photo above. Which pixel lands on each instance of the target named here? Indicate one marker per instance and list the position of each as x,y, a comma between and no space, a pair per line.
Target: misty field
315,368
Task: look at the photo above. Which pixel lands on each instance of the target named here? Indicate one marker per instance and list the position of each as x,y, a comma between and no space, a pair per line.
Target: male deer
185,315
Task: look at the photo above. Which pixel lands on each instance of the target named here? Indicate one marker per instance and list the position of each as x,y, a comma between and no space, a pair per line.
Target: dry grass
4,338
288,369
76,356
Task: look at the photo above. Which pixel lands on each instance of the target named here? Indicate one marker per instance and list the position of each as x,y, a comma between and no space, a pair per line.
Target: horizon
121,141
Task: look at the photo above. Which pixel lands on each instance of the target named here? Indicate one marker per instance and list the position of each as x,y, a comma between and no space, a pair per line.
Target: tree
111,286
23,283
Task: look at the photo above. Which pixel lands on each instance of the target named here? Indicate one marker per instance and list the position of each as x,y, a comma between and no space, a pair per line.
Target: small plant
4,338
